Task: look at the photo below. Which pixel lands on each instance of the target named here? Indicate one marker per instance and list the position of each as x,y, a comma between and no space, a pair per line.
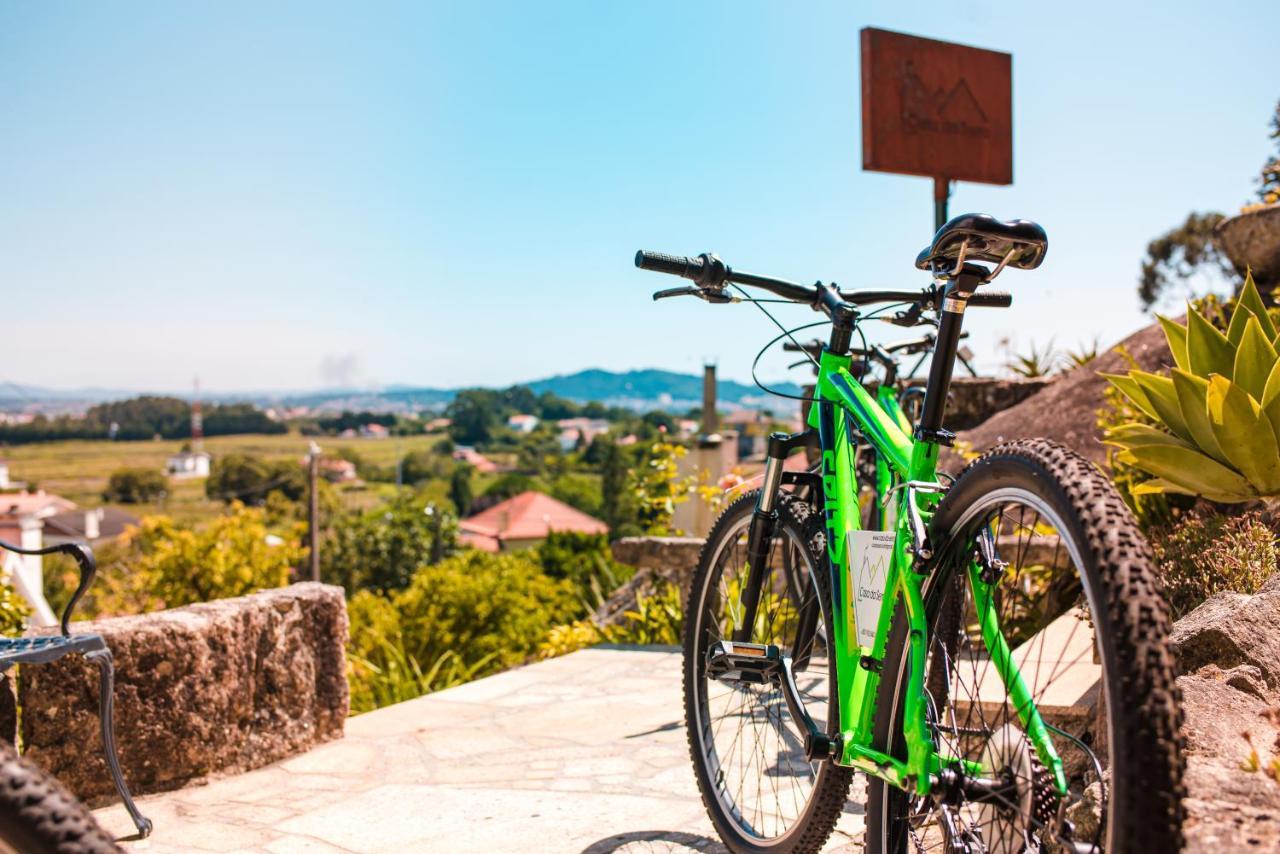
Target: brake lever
700,293
907,317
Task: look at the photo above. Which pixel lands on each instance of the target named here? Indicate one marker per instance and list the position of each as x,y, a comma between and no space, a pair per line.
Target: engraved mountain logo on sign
953,110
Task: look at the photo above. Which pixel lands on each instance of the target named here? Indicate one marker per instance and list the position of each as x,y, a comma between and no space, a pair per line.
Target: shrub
470,615
1203,555
586,562
658,618
1217,416
162,564
13,612
134,486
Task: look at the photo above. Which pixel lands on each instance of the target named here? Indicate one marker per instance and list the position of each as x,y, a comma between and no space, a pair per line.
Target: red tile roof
527,516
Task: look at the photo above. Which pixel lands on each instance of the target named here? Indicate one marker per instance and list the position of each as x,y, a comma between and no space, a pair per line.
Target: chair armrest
88,569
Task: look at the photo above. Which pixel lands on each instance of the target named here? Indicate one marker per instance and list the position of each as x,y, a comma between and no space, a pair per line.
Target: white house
188,464
22,516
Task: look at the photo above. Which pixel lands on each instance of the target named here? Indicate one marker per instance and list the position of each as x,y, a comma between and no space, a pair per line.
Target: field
78,470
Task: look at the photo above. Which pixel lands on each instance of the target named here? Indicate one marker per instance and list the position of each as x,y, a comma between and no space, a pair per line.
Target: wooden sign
936,109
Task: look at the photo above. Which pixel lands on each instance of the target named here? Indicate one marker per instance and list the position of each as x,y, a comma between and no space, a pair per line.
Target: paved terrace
584,753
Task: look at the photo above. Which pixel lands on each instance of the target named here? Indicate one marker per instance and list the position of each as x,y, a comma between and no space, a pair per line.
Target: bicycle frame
843,414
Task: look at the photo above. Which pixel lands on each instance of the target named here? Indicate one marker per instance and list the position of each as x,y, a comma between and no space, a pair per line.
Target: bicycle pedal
729,661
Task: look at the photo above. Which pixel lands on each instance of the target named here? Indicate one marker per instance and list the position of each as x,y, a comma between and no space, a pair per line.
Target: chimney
92,527
710,423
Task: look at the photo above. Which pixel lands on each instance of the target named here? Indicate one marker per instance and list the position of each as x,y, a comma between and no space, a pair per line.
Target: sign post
937,109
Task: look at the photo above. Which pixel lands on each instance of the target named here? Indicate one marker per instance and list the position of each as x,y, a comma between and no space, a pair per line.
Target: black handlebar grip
991,299
689,268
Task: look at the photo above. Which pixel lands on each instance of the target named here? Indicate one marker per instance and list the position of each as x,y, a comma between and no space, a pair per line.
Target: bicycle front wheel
760,790
1077,604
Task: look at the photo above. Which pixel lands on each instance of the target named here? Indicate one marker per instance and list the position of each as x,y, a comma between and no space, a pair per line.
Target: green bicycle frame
845,413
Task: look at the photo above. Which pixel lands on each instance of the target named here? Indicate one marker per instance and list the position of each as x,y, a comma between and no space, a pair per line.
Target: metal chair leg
106,703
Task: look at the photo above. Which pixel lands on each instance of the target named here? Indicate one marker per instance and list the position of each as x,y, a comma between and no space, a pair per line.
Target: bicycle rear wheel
760,790
1078,606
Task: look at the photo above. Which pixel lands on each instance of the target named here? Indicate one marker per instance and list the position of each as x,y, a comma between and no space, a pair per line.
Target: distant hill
652,385
640,390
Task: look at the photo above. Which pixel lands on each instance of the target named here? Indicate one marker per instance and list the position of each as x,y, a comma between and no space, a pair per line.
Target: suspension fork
764,522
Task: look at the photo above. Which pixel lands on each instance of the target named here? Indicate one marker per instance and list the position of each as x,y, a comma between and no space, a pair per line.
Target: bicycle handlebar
710,272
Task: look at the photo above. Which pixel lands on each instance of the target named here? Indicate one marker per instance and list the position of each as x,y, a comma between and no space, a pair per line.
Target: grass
78,470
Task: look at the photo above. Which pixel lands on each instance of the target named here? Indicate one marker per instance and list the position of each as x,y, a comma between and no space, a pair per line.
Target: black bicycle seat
985,238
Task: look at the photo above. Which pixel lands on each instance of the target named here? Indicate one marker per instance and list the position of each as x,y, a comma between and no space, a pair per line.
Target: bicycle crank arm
756,664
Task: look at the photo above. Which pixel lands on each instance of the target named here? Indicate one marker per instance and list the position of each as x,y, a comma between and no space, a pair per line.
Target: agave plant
1218,412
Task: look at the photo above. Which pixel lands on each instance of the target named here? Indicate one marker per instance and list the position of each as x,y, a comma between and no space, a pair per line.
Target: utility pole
313,509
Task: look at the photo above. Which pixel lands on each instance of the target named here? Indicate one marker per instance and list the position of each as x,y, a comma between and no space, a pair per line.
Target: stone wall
656,559
222,686
972,400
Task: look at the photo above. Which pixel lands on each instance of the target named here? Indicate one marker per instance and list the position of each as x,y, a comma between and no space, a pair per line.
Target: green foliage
421,466
1035,362
383,548
135,486
619,507
1201,555
579,490
13,612
658,619
161,564
470,615
1176,256
460,489
354,421
381,670
1150,508
1217,415
249,479
1084,354
142,417
658,487
586,562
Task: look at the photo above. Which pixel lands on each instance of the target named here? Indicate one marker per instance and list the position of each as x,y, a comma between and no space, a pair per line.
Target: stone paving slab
584,753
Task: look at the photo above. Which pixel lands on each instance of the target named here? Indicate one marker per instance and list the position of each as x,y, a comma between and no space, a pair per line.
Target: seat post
950,321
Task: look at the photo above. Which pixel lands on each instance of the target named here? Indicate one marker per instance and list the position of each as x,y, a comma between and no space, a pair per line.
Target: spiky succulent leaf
1255,357
1191,401
1176,334
1164,400
1133,434
1129,387
1190,470
1244,434
1208,350
1252,300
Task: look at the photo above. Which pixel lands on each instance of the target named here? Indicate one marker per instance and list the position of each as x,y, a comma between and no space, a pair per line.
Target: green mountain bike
995,663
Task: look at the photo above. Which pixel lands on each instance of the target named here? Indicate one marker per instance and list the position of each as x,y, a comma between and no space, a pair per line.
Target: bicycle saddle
984,238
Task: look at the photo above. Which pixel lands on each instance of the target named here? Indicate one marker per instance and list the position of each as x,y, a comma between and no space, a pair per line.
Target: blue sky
297,195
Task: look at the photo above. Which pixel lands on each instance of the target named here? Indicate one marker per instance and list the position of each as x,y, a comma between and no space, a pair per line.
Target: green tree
1180,254
381,549
241,477
134,486
618,506
474,415
460,489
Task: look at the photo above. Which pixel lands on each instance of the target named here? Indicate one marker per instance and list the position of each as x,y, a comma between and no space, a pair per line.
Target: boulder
1229,650
1232,629
1066,410
222,686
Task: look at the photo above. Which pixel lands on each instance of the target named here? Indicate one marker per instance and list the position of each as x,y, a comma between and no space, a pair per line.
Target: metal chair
46,648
